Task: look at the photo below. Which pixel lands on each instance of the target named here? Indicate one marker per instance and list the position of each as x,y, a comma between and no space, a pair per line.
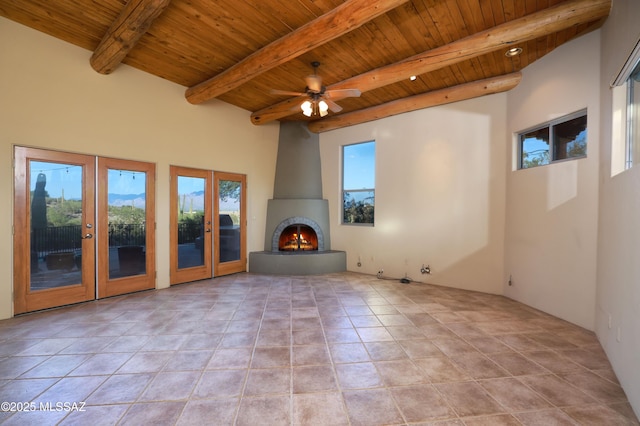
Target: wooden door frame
177,275
24,299
112,287
240,265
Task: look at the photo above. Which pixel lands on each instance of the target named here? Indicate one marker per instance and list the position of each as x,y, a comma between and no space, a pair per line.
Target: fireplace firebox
298,237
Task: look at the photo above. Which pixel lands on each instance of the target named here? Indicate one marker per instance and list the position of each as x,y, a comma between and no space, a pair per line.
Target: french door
57,226
208,224
126,226
230,233
54,224
191,227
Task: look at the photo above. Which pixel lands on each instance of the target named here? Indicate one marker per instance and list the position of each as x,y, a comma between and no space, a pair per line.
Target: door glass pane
229,217
127,223
191,221
56,224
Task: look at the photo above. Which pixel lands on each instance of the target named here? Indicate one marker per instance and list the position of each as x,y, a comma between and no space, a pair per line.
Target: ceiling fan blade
332,105
285,92
296,107
314,83
343,93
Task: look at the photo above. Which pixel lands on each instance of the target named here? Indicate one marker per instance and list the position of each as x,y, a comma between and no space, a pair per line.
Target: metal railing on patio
55,239
68,238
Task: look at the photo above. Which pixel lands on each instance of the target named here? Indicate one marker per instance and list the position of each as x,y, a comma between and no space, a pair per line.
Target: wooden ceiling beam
344,18
561,16
461,92
132,23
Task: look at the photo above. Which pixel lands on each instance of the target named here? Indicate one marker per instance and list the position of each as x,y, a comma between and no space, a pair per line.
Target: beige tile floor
341,349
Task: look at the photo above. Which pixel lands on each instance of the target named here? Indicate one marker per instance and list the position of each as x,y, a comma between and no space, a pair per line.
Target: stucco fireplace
297,238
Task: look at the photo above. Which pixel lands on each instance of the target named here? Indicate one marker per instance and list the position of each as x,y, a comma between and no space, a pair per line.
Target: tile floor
340,349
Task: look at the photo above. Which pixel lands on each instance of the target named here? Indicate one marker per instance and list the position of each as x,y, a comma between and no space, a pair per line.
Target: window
633,116
561,139
358,183
625,118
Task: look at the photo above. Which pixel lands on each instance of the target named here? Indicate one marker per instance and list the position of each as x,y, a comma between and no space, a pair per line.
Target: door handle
87,237
208,230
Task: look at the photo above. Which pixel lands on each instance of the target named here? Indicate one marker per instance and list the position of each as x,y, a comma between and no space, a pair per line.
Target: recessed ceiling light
413,78
514,51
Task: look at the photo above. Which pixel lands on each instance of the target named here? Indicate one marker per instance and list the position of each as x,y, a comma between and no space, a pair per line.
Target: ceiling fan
320,100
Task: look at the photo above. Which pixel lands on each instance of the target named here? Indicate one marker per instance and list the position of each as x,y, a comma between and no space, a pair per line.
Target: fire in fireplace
298,237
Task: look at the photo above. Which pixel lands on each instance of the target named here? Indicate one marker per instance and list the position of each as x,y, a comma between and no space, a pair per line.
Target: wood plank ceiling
238,51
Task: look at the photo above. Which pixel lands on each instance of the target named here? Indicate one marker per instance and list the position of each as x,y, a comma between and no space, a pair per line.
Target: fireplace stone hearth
297,200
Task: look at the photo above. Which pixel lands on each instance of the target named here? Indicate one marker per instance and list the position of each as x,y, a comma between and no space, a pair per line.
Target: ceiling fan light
322,105
306,108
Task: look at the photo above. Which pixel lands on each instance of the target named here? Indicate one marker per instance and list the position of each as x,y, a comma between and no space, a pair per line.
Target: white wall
552,211
439,194
50,97
618,279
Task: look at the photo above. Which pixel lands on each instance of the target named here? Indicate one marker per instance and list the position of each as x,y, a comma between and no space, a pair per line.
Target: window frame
552,145
632,126
344,190
624,149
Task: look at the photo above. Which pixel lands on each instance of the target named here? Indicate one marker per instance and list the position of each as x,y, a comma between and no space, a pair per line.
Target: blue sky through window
68,177
535,147
126,182
60,177
359,166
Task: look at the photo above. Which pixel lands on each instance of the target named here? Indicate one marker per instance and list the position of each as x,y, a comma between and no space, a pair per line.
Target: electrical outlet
380,272
510,281
609,321
618,335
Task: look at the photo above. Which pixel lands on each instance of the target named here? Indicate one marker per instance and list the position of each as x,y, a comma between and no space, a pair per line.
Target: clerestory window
564,138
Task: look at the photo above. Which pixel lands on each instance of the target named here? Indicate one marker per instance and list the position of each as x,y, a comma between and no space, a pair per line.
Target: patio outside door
54,221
